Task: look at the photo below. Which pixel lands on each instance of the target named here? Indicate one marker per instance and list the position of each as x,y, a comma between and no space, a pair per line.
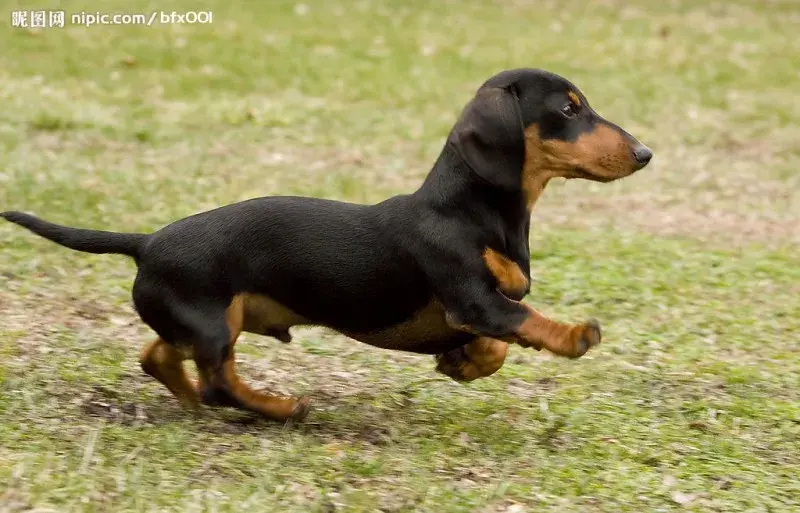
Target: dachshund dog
440,271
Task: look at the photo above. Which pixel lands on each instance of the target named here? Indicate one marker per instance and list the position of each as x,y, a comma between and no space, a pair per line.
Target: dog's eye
569,110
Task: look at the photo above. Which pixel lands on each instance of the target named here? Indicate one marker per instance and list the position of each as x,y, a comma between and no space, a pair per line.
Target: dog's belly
425,331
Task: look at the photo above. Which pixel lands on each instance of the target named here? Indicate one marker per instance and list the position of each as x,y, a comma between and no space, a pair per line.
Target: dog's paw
282,335
215,396
527,344
589,335
451,364
300,410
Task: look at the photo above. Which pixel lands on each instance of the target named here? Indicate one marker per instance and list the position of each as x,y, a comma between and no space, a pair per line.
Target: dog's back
332,262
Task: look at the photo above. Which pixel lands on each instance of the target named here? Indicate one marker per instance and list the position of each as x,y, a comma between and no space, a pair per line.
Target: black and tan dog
440,271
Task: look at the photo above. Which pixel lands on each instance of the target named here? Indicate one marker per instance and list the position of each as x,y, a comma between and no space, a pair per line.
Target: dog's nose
642,154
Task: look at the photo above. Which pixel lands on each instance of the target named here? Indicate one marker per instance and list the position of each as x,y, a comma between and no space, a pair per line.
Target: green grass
693,401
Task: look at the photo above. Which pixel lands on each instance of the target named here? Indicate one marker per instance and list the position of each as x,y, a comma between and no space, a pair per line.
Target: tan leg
480,358
227,389
223,386
165,363
562,339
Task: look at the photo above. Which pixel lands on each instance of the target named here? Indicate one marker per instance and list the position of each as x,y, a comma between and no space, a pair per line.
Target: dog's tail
88,241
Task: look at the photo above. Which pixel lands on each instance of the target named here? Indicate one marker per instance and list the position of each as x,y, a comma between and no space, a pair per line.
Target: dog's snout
642,154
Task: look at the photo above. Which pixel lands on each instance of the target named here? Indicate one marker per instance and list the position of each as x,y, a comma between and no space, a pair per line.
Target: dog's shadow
351,417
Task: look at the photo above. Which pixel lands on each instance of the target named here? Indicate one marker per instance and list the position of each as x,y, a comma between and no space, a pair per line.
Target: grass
693,403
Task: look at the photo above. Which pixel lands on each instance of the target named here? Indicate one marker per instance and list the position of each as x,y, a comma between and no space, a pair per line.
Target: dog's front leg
570,340
491,314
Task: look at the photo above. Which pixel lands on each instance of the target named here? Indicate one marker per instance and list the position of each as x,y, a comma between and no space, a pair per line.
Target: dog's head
526,126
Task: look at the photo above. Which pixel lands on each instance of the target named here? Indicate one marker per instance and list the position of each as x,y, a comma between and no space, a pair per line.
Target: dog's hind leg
165,363
220,384
480,358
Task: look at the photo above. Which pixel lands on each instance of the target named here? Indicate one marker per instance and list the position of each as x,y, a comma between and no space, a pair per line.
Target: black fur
88,241
489,137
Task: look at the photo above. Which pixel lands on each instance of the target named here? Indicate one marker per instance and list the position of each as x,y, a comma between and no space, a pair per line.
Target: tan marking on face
603,154
511,281
574,98
535,175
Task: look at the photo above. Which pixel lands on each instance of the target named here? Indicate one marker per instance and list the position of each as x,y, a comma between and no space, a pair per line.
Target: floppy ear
489,137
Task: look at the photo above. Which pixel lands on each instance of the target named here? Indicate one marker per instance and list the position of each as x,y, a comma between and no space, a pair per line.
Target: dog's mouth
582,172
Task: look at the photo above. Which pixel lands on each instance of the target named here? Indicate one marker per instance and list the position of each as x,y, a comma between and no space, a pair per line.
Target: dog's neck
533,184
452,182
452,185
536,173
